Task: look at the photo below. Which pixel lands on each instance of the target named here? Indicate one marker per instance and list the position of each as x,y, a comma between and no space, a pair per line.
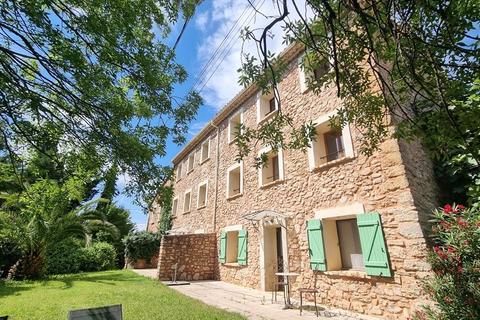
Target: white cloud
196,127
201,21
223,86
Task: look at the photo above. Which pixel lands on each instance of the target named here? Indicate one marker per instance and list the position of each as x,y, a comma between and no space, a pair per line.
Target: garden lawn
142,298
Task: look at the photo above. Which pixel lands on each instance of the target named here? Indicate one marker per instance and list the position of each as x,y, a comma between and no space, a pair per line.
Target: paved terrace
253,304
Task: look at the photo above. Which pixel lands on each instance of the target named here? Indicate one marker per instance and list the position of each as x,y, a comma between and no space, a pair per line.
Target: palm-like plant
42,215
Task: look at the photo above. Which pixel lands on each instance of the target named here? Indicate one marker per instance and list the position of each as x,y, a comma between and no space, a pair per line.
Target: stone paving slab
255,304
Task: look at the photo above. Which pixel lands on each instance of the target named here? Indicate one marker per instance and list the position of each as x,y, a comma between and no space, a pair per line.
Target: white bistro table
286,286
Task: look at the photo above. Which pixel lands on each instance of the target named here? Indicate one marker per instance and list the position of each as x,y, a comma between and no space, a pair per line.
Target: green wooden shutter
223,247
242,247
374,250
316,249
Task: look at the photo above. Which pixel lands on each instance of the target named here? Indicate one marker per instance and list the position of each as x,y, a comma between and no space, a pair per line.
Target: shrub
64,257
97,257
141,245
10,245
455,260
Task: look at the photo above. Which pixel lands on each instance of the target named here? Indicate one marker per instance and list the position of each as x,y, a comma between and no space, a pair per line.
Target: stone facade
194,254
153,218
396,181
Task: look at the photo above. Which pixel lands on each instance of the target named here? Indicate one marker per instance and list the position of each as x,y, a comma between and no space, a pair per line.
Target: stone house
356,223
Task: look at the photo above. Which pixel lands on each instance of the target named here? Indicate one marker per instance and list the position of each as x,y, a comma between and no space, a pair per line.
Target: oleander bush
455,260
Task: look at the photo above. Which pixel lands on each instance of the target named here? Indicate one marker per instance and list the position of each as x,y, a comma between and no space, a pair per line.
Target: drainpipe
217,161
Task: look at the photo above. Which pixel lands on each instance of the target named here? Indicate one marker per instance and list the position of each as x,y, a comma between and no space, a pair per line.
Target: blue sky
203,35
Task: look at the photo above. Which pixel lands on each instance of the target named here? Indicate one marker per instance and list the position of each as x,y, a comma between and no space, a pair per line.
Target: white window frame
263,101
178,174
281,173
188,191
346,137
190,156
304,76
185,167
202,156
231,136
204,183
329,217
230,169
175,212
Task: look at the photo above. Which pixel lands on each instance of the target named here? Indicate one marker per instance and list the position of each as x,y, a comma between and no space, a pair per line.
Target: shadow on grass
111,278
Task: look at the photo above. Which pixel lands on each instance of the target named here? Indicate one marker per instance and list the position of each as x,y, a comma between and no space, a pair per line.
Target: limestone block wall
201,218
195,254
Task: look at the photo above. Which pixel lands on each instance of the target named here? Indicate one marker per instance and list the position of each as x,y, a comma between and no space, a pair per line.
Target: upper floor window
174,206
267,105
187,201
329,144
334,149
205,151
272,170
320,71
235,180
202,194
179,171
234,126
191,161
311,71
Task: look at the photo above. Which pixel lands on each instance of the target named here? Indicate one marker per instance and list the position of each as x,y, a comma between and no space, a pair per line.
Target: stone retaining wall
196,255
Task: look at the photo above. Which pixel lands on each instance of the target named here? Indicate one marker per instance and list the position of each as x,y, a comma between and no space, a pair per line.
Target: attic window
179,171
234,126
205,152
311,75
267,105
191,161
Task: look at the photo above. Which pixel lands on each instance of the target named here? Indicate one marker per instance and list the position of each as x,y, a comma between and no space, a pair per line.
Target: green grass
142,298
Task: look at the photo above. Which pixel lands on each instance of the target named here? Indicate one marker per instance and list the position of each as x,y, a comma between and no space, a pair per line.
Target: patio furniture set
286,290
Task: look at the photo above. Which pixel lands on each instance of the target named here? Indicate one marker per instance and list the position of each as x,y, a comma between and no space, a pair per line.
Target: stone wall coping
191,234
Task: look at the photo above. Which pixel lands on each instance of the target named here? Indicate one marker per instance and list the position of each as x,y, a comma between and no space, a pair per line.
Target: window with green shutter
223,247
316,249
374,250
242,247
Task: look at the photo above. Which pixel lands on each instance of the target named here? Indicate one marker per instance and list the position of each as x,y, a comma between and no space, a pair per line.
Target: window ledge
190,171
232,141
267,117
186,212
349,273
204,160
232,264
273,183
201,207
235,196
325,86
333,163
